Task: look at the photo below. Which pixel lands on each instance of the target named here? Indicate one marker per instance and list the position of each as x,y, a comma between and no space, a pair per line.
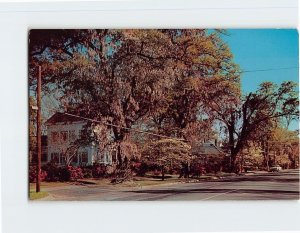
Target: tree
283,146
85,139
166,154
208,60
253,156
244,118
123,76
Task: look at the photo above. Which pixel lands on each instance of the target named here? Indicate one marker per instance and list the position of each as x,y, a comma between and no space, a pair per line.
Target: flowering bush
74,173
56,173
32,174
99,170
87,172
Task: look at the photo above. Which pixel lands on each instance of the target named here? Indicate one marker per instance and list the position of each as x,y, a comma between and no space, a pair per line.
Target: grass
44,185
34,195
49,185
147,180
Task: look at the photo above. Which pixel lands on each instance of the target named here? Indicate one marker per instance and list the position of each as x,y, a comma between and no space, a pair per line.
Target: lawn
44,185
34,195
156,180
137,181
49,185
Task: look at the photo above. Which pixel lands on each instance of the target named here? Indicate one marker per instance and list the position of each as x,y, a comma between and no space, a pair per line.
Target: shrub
156,172
53,172
87,172
99,170
64,174
32,174
67,173
142,168
73,173
197,169
135,166
121,175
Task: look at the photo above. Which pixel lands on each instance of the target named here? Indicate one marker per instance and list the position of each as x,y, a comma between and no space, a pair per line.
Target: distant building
207,158
62,130
202,150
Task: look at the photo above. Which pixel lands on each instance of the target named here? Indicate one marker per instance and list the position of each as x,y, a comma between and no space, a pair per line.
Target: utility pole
39,132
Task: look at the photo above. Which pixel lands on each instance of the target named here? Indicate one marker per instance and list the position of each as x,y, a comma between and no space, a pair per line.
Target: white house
62,130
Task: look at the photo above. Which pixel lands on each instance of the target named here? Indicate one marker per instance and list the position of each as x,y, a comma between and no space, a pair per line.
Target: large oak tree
245,120
123,76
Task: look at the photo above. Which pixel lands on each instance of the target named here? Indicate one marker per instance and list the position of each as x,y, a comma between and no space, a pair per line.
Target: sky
261,49
256,49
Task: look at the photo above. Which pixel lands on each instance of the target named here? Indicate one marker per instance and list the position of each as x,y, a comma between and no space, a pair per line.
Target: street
282,185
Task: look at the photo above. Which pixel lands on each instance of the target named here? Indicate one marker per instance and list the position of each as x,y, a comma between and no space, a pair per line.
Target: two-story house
62,130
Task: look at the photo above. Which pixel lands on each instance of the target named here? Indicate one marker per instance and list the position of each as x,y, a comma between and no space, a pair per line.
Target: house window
75,159
72,135
101,157
54,136
62,158
108,157
83,158
54,157
105,157
64,136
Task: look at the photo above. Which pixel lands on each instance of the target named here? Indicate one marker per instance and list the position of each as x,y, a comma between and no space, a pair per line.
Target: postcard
163,114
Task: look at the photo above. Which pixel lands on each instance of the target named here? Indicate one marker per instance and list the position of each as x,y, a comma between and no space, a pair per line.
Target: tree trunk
233,153
162,173
120,136
119,156
188,171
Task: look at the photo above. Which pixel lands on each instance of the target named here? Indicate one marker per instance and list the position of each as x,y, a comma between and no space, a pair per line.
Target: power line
271,69
154,134
117,126
122,127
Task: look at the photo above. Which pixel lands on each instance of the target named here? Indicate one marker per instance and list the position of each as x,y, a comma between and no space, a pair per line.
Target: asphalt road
282,185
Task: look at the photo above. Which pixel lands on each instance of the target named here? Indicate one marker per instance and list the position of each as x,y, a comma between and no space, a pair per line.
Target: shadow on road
278,177
258,179
210,190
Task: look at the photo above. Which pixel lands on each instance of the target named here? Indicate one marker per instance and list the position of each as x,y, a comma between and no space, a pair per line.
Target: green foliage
284,145
283,160
166,153
254,157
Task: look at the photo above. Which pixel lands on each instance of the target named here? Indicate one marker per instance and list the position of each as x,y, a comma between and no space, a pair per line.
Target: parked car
276,168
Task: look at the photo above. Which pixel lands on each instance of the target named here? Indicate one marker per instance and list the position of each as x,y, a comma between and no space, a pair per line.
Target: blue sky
260,49
256,49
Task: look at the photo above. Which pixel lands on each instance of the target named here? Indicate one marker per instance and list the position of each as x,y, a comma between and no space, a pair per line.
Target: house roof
207,148
62,118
